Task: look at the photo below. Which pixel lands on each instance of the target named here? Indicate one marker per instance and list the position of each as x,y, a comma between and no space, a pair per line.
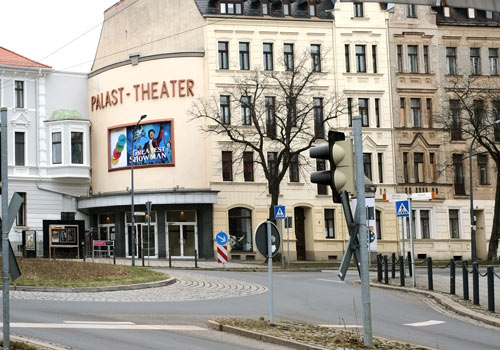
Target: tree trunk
274,190
495,230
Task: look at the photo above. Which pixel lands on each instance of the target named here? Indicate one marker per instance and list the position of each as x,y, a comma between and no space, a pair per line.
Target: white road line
96,322
335,281
159,327
424,324
339,326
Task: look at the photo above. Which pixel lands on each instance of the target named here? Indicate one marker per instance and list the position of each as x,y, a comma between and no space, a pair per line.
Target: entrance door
106,233
182,239
148,240
300,233
138,240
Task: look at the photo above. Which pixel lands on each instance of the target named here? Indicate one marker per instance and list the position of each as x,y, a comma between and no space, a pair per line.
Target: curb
446,302
262,337
39,344
156,284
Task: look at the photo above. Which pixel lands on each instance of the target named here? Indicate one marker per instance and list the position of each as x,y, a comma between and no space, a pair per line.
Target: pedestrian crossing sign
402,209
279,212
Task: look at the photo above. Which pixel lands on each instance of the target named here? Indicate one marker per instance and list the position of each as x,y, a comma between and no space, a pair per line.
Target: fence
484,278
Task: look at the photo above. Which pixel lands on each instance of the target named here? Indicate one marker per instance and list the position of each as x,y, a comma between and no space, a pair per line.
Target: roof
65,114
459,17
10,58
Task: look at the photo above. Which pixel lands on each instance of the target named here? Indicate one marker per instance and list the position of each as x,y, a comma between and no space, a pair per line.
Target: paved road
102,320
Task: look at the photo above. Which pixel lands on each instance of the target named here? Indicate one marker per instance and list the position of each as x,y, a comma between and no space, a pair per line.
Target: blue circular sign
221,238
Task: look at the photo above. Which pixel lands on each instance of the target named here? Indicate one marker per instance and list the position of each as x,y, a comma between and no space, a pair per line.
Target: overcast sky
38,29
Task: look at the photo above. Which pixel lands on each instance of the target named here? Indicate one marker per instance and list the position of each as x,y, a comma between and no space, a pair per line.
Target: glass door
188,242
138,240
174,239
182,239
148,241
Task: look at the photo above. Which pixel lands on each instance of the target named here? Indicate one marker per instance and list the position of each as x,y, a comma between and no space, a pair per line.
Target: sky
60,33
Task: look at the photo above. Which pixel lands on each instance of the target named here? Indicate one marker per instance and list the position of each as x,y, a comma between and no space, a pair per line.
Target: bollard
465,280
379,268
452,277
142,252
409,264
196,258
430,282
402,271
386,270
170,257
114,257
393,260
491,288
475,283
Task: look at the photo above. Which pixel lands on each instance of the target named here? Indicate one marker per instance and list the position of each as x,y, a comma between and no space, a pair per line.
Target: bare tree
473,113
281,111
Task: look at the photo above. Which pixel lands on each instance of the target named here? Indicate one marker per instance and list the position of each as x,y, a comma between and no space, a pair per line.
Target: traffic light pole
360,220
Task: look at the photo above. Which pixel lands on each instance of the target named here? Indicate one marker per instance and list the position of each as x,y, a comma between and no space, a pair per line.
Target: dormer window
231,7
265,9
312,10
471,12
489,14
286,9
446,11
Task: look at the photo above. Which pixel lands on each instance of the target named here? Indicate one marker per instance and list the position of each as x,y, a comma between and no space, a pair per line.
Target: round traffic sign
261,238
372,236
221,238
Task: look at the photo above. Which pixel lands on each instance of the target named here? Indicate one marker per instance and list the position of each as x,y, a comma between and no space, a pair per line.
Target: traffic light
339,153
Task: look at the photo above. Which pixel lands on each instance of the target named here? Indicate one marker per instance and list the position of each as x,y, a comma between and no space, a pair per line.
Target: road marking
96,325
424,324
340,326
335,281
96,322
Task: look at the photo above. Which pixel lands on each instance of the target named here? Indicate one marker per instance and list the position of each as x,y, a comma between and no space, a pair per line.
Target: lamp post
132,160
472,216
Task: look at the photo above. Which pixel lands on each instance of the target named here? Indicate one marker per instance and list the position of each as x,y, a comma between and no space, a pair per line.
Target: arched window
240,229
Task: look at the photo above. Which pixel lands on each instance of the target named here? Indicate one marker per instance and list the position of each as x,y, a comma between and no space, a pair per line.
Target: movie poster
152,145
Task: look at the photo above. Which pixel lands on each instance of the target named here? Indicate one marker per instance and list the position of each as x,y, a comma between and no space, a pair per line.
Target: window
320,166
406,174
246,116
349,110
293,169
451,60
411,11
223,55
240,229
227,166
270,117
380,160
272,159
471,12
21,214
456,123
400,58
432,163
454,223
265,9
427,68
231,8
291,106
482,168
374,58
428,104
347,49
225,112
19,148
367,165
288,57
360,59
19,90
312,10
496,115
415,112
268,56
377,112
315,58
475,61
244,56
76,147
458,178
378,223
358,9
493,53
489,14
286,9
412,58
248,166
329,223
479,113
402,111
425,227
363,111
56,148
319,128
418,170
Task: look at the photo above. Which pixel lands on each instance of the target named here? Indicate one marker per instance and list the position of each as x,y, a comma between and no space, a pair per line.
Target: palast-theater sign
140,92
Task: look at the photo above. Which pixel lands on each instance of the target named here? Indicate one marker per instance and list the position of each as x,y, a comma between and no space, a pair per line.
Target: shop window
454,223
316,58
21,214
288,57
293,168
223,55
319,128
268,56
19,148
227,166
19,91
178,216
77,148
56,148
329,223
248,166
244,56
240,230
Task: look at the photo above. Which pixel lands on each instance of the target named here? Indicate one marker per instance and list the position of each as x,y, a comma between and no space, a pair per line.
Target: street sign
402,209
422,196
279,212
222,254
261,239
394,197
221,238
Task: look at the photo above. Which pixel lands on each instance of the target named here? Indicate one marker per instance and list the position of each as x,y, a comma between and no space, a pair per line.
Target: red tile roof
10,58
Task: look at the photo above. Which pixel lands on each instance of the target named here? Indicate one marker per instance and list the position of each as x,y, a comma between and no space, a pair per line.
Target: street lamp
472,216
132,160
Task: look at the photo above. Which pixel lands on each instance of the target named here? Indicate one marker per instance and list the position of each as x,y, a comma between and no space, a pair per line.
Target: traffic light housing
339,153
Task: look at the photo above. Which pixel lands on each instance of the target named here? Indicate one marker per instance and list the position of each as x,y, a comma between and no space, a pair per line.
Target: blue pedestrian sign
221,238
402,209
279,212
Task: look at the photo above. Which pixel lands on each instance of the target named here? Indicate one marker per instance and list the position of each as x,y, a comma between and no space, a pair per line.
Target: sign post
222,254
148,208
280,214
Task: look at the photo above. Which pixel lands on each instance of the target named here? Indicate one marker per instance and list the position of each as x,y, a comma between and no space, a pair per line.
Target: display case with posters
62,236
29,244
